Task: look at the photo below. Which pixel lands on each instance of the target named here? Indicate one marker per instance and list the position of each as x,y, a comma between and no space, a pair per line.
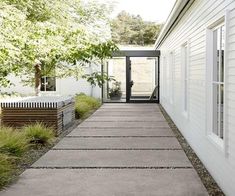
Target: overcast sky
151,10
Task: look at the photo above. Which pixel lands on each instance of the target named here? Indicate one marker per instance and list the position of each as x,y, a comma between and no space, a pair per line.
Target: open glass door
136,74
143,79
115,91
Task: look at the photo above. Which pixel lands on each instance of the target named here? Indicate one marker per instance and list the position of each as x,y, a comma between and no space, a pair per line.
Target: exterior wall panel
192,28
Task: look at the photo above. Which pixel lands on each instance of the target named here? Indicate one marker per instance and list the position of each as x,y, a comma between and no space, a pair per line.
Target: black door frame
139,53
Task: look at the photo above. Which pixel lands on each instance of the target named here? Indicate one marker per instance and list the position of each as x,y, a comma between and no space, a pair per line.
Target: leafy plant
38,133
98,78
12,142
5,169
115,91
85,104
54,34
82,109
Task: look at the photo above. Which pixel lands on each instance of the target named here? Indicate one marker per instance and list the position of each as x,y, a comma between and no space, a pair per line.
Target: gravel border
208,181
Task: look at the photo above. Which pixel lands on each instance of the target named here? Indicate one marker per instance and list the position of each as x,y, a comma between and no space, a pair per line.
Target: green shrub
12,142
82,109
85,104
38,134
91,101
5,169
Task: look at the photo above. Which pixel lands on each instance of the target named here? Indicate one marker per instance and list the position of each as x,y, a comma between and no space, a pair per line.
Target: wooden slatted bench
54,111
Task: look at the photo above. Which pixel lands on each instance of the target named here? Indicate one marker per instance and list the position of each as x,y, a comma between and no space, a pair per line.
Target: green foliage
82,109
12,142
38,134
55,33
129,29
98,78
5,169
85,104
115,90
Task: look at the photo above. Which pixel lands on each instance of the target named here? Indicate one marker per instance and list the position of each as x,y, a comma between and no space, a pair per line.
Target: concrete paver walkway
121,150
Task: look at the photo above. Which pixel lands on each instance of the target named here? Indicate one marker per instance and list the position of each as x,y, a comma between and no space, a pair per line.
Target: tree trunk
38,75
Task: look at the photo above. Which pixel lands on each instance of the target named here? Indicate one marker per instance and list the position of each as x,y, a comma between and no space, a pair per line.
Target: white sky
151,10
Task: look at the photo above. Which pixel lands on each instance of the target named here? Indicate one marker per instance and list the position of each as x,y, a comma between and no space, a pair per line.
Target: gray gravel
208,181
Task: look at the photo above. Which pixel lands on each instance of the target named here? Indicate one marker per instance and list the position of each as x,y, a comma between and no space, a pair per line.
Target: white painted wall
192,29
65,86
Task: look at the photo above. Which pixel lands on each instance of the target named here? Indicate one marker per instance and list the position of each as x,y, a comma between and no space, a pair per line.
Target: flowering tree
58,34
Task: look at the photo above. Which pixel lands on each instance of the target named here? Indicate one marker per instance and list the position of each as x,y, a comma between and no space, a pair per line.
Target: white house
57,86
197,84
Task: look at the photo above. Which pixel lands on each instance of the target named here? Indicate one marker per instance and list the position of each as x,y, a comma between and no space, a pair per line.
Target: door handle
131,83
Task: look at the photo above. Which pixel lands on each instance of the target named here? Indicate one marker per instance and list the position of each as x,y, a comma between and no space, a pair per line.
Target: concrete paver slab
125,119
113,158
119,143
122,132
134,110
97,182
126,113
124,124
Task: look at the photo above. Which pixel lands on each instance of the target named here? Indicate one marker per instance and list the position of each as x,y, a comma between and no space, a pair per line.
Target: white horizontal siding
64,86
192,29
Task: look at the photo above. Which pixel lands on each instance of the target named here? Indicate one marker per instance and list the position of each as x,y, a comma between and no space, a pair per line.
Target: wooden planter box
54,111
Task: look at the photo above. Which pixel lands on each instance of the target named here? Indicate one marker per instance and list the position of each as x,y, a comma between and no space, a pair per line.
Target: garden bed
12,165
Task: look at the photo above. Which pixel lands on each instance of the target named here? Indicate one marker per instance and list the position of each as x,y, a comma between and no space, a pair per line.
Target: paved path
121,150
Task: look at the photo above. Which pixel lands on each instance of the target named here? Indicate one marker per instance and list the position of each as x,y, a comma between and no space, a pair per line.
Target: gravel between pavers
208,181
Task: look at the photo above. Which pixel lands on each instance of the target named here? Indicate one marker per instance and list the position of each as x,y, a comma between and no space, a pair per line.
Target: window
171,76
164,81
167,79
218,47
47,83
185,76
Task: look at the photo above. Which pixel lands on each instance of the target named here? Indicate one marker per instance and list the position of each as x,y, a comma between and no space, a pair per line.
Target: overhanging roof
137,53
176,14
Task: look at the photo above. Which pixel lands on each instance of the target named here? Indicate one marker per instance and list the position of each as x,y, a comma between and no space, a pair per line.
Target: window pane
222,53
221,111
43,84
215,56
50,84
218,42
216,109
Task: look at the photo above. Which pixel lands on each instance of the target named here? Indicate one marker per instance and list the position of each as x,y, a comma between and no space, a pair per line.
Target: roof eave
176,13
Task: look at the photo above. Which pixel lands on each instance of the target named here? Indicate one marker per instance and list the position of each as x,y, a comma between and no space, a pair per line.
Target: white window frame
164,81
44,81
171,76
210,120
185,77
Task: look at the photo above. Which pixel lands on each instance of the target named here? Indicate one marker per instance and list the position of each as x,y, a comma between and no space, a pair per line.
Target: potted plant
115,92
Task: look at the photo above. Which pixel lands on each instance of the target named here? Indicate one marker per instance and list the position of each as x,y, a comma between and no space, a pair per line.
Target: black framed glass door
137,75
143,79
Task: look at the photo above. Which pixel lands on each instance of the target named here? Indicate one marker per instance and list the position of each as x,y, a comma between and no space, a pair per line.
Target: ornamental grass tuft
38,133
85,104
12,142
6,169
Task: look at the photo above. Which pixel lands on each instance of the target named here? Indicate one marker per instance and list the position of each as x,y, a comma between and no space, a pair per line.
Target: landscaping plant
38,133
6,169
84,105
12,142
115,92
